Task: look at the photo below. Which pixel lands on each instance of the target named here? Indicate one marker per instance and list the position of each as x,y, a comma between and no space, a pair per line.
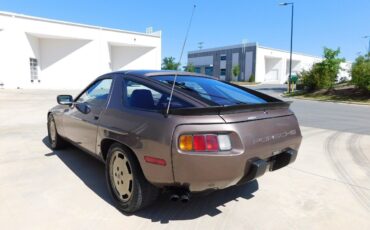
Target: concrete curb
333,101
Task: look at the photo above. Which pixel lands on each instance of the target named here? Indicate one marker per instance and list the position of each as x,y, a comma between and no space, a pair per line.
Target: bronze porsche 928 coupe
215,134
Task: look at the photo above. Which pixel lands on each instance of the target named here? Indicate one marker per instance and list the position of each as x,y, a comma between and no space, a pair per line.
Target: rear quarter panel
146,134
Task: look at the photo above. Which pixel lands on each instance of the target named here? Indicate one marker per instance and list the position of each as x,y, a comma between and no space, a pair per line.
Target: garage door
272,75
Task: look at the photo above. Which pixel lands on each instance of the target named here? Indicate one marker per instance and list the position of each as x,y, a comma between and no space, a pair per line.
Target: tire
55,141
126,183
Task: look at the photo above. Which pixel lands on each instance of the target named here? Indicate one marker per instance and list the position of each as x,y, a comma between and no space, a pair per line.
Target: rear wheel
126,183
56,141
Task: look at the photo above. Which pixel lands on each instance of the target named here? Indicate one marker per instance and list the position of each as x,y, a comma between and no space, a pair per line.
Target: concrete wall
272,61
69,55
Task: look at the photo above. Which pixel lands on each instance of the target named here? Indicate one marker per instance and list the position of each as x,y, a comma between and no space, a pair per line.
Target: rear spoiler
220,110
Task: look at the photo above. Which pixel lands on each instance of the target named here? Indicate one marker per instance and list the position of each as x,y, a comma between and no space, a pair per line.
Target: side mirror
65,99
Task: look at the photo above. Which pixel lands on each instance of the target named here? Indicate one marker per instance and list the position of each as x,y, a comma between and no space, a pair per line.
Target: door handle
96,117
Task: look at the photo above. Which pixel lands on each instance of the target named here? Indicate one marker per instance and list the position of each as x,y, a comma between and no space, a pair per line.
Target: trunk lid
239,113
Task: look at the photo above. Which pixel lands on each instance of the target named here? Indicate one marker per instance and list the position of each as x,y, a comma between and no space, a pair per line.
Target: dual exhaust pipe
183,196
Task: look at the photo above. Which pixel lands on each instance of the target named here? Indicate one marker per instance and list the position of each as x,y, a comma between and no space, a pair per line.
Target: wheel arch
106,143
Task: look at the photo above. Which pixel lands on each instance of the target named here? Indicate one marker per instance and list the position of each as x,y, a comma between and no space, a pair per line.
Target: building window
33,69
223,58
223,72
197,69
209,71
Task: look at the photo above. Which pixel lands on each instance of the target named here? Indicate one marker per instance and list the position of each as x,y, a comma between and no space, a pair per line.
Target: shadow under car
92,172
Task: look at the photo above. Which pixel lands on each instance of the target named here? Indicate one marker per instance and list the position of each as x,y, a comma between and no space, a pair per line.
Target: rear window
213,91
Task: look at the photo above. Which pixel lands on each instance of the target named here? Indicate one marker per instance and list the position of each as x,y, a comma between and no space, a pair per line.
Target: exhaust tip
174,197
184,199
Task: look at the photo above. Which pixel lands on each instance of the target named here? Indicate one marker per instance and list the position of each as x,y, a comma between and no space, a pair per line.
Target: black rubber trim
220,110
283,159
257,168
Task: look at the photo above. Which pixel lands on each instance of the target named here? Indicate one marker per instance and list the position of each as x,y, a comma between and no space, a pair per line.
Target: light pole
367,37
291,41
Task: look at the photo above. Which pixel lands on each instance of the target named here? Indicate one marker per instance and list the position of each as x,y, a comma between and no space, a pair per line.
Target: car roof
152,73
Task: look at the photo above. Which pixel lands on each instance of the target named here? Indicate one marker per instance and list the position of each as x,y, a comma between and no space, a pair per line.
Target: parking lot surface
328,187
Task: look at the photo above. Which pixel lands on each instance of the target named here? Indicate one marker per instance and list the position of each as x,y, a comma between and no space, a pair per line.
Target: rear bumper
231,171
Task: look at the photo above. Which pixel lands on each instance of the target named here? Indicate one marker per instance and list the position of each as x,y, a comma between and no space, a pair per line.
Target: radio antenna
182,51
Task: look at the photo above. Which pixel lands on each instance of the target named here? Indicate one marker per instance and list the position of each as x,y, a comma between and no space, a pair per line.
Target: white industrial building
43,53
268,65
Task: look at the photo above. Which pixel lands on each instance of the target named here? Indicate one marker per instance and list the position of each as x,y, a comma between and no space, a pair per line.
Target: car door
82,119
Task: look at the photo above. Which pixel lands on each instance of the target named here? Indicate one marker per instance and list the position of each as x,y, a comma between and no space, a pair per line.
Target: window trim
92,83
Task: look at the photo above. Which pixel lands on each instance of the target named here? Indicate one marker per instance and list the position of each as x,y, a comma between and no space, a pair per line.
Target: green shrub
315,78
190,68
361,72
323,75
252,78
168,63
236,72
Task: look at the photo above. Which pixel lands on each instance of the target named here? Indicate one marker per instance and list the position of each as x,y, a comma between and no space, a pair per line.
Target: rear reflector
154,160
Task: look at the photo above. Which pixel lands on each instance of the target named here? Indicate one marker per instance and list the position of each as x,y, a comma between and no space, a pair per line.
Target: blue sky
331,23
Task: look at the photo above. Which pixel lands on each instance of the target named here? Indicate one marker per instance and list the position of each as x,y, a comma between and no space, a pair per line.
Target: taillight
212,143
224,142
199,143
186,142
205,142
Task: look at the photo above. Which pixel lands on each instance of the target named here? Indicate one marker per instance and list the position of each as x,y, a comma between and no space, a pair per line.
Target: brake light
205,142
212,143
199,143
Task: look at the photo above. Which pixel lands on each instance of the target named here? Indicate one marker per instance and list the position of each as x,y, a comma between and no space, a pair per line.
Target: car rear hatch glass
215,93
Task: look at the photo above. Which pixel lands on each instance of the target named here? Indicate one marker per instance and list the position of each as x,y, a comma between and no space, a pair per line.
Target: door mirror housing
65,99
83,108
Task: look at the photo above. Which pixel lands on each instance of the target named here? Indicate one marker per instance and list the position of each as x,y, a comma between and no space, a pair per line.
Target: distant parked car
215,135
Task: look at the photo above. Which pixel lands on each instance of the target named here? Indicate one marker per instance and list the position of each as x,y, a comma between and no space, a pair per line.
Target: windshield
213,91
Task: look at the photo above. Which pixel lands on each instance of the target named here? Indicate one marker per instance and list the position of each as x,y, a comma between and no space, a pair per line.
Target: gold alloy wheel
121,176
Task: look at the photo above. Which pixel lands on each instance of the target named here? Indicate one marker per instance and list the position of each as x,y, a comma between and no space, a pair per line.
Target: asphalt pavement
328,187
325,115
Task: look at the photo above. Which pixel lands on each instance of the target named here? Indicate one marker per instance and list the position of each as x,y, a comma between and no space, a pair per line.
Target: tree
236,72
331,64
170,64
323,74
361,72
189,68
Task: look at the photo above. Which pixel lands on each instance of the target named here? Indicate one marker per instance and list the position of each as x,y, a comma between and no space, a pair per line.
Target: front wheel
56,141
126,183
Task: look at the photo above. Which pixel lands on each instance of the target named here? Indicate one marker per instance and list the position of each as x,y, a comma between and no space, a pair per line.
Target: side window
97,93
143,97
